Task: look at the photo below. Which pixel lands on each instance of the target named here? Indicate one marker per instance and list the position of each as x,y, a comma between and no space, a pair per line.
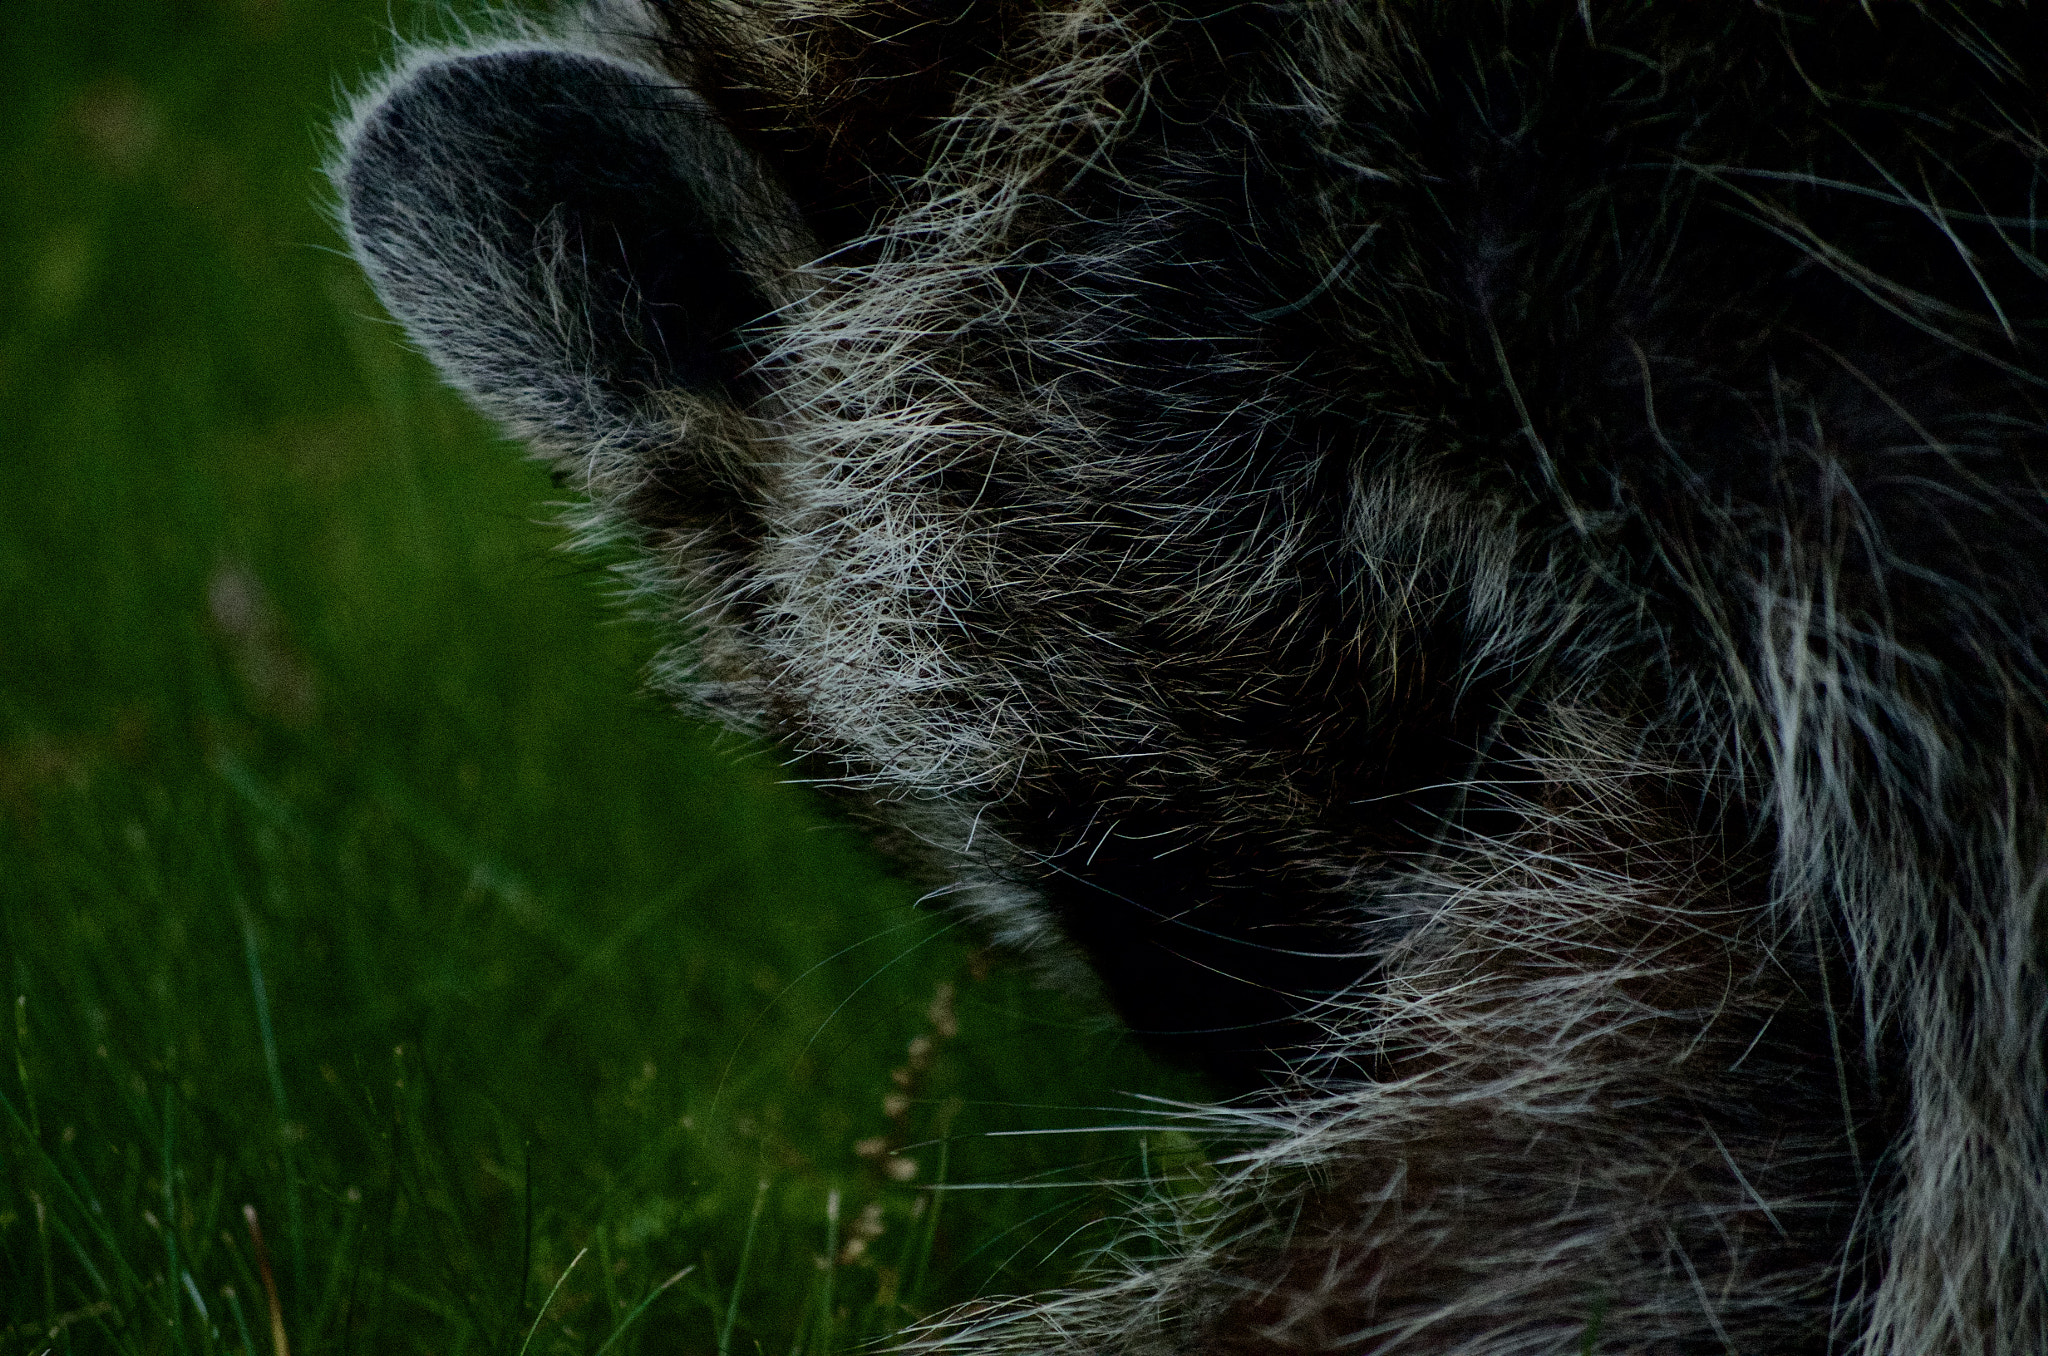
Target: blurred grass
344,873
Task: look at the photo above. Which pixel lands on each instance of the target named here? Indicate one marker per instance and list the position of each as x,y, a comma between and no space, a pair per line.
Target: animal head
1477,570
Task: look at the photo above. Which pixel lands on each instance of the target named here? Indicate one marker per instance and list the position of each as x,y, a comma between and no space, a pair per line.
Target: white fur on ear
572,239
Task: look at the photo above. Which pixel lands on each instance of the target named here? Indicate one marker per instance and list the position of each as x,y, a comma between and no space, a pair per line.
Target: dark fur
1483,567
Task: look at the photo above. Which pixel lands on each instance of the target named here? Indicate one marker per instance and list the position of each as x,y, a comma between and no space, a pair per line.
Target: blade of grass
241,1321
604,1272
913,1281
641,1308
739,1280
526,1235
171,1267
278,1345
826,1324
28,1092
550,1300
274,1068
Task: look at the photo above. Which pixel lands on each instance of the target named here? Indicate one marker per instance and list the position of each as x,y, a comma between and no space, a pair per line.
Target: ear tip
440,105
434,146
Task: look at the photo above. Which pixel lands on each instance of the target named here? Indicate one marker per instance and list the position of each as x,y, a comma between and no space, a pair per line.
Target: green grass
348,881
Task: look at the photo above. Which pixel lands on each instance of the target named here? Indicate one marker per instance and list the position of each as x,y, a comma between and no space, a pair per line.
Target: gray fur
1639,752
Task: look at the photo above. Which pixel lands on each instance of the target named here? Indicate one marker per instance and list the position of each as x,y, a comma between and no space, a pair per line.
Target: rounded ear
575,241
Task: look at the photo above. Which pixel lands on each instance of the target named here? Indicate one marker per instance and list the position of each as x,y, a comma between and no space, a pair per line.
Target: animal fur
1480,569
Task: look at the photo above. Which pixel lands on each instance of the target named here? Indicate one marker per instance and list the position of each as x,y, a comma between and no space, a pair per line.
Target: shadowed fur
1479,571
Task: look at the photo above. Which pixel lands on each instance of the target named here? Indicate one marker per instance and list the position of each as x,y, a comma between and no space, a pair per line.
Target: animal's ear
580,244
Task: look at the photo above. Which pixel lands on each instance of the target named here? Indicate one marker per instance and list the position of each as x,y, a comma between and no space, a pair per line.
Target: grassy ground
350,892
